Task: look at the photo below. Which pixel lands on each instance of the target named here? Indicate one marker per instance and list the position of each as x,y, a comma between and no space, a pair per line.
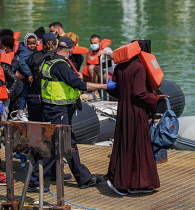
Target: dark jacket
24,54
34,63
11,80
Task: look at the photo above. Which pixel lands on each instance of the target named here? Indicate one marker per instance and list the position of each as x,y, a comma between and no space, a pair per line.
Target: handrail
101,74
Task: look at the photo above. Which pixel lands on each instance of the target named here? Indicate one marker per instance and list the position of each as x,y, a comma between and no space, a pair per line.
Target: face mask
38,42
94,47
2,51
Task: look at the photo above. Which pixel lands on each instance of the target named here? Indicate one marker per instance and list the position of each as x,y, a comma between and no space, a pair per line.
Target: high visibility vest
54,91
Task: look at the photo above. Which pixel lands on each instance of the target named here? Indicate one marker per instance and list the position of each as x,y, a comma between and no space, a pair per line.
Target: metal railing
103,58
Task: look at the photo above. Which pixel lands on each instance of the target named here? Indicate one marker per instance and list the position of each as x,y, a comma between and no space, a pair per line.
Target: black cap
47,37
40,32
66,42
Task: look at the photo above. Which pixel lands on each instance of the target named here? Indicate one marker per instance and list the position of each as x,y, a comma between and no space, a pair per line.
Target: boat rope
47,190
99,110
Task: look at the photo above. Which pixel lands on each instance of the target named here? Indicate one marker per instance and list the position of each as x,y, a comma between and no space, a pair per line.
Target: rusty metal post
9,167
59,145
60,133
41,184
9,162
30,168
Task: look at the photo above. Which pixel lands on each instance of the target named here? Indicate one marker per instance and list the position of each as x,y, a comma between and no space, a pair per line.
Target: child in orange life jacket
25,50
91,70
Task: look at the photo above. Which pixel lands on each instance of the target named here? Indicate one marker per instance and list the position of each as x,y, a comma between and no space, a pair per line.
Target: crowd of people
44,80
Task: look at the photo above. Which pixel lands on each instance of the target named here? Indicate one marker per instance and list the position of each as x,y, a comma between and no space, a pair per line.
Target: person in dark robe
132,165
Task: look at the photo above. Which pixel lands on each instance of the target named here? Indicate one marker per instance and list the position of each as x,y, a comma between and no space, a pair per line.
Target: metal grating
177,189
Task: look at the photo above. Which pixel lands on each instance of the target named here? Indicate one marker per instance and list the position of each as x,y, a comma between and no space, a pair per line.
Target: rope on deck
46,189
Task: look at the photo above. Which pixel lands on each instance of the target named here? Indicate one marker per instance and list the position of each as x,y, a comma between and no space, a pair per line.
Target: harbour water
168,24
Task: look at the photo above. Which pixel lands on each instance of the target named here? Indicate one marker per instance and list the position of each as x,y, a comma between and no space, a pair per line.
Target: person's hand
101,52
30,78
162,96
111,85
1,108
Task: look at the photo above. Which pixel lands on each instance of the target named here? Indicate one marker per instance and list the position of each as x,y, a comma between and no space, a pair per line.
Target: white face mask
39,42
94,47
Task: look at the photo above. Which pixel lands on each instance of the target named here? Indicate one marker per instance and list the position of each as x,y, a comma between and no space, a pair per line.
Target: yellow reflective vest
54,91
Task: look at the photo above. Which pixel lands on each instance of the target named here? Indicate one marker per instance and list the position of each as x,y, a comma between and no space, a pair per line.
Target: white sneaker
140,191
119,192
22,116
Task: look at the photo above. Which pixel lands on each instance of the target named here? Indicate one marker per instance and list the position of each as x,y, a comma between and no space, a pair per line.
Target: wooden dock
177,190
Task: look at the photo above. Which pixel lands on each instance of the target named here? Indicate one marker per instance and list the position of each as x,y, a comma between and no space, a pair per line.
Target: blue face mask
94,47
2,51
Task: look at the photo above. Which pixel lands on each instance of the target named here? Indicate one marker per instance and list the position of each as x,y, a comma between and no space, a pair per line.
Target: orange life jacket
7,57
16,46
126,52
80,50
92,58
153,70
40,46
16,36
3,89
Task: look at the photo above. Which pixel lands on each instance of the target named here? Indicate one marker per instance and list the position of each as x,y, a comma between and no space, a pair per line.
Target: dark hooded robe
132,164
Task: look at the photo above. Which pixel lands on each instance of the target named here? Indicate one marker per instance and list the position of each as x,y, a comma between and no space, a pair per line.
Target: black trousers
80,171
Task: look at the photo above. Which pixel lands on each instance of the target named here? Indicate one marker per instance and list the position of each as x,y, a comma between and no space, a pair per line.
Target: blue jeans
24,94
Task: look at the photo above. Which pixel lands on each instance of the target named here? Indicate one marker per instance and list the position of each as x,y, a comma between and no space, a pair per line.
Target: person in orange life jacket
91,70
39,32
6,47
62,113
15,35
25,50
58,29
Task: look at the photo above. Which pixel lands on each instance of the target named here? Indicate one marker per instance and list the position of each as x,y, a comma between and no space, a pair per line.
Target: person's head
74,37
39,33
6,31
6,44
30,41
95,42
57,28
49,41
65,46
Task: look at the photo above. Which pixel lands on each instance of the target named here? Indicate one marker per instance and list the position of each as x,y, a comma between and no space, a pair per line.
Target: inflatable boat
186,134
96,122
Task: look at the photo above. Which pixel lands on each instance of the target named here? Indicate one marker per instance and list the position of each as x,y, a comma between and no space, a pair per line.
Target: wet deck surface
177,189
